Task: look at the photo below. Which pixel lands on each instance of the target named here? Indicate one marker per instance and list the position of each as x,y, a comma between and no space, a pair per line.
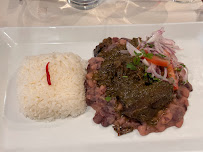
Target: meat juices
109,113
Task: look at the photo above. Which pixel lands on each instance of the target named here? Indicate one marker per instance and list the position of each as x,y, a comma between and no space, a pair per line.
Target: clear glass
84,4
183,1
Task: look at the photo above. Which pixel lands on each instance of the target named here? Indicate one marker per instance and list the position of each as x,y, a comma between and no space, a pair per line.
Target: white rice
66,94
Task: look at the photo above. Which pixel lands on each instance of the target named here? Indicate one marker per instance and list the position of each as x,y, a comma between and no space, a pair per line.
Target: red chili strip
48,75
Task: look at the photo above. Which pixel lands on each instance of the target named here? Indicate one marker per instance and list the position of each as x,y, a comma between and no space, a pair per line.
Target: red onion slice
131,49
185,76
163,46
168,41
152,70
162,43
165,72
146,62
156,35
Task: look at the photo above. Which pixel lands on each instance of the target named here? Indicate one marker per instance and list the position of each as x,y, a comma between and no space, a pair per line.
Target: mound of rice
66,94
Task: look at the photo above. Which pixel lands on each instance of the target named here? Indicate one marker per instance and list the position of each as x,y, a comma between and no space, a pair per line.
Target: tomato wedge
171,74
158,61
165,63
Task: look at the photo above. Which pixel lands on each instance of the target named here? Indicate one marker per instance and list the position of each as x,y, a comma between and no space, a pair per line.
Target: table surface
21,13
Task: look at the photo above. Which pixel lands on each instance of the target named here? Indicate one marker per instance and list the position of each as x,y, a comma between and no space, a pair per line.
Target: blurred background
60,13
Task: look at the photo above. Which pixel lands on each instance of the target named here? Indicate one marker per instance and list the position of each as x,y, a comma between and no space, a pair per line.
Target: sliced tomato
171,74
158,61
165,63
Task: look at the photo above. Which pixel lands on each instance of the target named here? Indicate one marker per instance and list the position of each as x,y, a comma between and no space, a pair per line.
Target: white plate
19,134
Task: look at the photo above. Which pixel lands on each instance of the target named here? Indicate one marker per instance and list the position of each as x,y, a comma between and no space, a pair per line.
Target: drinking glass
84,4
183,1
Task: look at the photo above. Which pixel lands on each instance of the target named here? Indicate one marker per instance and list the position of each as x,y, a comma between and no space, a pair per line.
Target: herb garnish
149,79
125,76
160,55
131,66
136,60
156,79
178,69
108,99
150,45
184,82
147,55
137,54
183,65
